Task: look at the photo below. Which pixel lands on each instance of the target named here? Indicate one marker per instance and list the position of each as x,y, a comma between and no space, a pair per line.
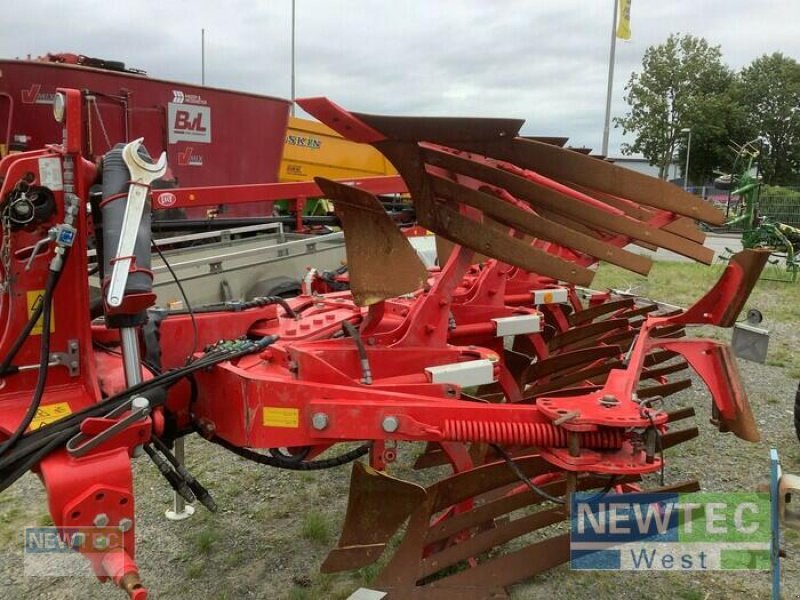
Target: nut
125,525
390,424
319,421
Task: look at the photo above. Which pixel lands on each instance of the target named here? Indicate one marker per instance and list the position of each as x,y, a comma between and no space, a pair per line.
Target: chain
5,249
100,121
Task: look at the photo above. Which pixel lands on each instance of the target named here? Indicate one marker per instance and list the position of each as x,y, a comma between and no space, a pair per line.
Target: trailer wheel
797,412
282,286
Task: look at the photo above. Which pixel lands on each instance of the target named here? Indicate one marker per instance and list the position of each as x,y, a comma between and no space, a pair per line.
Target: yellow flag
624,25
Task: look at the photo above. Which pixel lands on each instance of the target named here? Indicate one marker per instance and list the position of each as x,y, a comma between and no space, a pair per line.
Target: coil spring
543,435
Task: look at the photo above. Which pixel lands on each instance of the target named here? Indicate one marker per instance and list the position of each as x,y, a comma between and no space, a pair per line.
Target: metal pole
202,56
611,56
180,510
131,364
293,14
686,171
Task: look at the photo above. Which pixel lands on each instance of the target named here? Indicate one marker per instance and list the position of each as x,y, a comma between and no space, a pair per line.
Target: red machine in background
527,391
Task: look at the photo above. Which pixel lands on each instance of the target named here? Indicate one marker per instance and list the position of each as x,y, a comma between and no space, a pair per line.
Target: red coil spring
544,435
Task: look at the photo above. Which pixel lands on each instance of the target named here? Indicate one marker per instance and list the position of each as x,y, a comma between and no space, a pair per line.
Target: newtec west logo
670,532
61,551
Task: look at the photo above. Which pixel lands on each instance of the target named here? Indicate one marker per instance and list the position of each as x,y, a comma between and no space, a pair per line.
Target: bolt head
125,525
390,424
319,421
100,520
140,403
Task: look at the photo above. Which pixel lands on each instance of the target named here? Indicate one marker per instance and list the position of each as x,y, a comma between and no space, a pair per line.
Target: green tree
683,85
769,91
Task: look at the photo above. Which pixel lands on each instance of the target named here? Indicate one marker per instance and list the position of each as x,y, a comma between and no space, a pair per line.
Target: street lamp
688,150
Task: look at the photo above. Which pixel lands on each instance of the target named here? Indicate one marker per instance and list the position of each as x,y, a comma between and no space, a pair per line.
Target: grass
205,541
316,527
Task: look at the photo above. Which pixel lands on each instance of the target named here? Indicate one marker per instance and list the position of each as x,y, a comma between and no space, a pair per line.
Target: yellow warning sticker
281,417
35,298
49,413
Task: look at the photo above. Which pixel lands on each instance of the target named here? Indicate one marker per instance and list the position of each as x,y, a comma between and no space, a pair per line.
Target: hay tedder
511,375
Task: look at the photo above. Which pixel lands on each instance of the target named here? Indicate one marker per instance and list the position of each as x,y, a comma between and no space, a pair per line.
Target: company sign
188,123
699,531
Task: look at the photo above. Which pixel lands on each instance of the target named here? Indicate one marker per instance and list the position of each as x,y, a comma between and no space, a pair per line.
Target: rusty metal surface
567,361
540,196
593,312
540,227
583,170
373,242
377,506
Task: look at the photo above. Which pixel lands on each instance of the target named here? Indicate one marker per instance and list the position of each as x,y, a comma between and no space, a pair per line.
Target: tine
517,364
642,310
593,312
584,332
564,165
506,504
468,484
586,374
538,195
377,506
662,371
372,242
666,330
567,360
633,210
658,357
673,438
686,227
680,414
510,568
665,389
539,227
462,230
492,538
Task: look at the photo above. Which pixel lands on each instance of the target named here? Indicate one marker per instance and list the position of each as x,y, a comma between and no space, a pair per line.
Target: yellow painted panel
312,149
274,416
49,413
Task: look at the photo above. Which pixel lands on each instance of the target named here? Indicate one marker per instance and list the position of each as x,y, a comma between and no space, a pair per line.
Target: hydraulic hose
44,361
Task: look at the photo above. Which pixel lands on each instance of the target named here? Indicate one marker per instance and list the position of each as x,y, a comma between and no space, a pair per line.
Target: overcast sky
544,61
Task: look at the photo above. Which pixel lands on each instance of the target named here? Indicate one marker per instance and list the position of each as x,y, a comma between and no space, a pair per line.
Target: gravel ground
275,527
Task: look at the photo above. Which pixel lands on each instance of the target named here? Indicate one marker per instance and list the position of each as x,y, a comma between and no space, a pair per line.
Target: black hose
283,463
52,280
44,362
32,443
366,370
267,300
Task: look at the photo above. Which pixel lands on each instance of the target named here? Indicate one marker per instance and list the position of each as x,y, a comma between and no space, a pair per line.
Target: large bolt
101,520
390,424
125,525
140,403
319,421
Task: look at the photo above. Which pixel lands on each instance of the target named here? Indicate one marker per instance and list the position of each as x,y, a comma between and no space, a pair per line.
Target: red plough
525,390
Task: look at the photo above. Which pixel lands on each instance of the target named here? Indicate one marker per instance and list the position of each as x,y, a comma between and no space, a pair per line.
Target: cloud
544,62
